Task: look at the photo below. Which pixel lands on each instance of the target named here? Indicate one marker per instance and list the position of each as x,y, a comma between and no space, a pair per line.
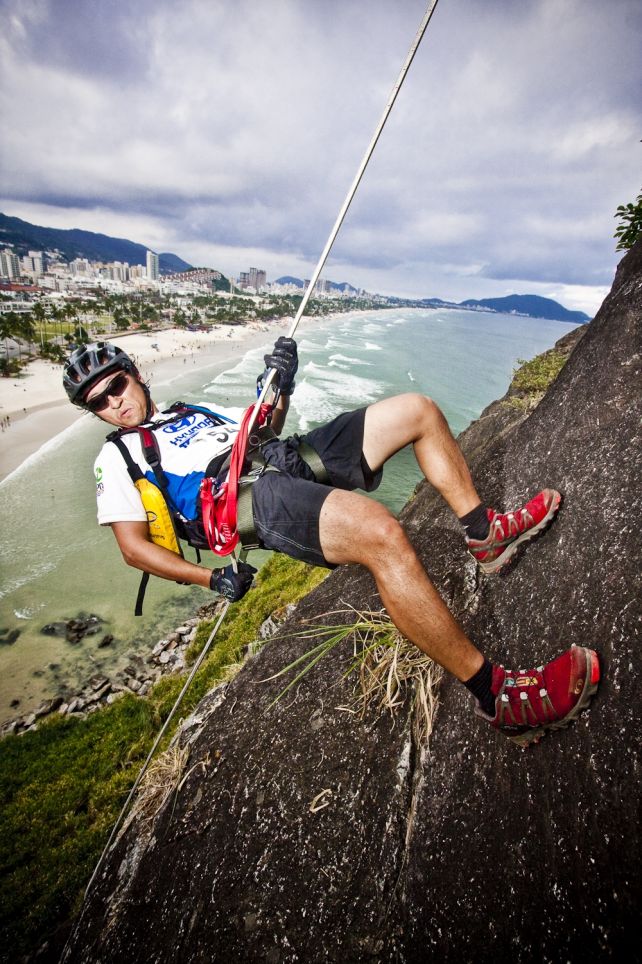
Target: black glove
285,361
233,585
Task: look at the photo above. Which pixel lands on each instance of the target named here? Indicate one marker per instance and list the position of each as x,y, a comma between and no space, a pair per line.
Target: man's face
121,399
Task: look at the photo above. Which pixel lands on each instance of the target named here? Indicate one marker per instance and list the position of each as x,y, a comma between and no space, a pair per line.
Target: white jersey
186,447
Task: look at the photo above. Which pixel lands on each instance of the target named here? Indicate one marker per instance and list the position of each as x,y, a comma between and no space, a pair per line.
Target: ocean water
55,560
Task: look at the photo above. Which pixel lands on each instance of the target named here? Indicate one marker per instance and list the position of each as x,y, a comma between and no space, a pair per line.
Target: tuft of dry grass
386,665
162,777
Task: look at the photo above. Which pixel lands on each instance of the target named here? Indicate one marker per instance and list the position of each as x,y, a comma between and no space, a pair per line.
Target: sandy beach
34,407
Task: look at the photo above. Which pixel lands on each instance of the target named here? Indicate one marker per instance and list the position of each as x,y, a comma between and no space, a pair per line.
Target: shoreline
34,408
50,424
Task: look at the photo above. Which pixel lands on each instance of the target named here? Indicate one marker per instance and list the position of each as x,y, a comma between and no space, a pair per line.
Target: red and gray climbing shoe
530,702
509,530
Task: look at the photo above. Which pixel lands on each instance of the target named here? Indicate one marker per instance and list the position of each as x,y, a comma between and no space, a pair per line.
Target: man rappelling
298,495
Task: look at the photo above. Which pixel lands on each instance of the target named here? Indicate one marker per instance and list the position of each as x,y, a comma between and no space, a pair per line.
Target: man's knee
423,411
383,533
395,422
354,528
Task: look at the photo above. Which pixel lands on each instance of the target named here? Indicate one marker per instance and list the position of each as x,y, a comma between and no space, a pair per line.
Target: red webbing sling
219,501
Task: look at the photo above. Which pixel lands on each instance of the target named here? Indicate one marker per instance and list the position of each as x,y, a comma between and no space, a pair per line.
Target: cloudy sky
229,131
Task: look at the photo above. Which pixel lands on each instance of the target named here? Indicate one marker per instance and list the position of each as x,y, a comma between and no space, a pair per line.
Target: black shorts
287,504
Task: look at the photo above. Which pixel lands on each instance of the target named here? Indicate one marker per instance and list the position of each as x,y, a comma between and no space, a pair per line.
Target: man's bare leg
353,528
415,420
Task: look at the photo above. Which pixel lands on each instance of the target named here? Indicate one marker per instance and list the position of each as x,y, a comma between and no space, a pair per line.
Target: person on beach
327,522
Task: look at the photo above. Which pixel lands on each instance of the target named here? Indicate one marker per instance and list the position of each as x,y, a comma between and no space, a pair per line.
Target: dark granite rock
54,629
473,850
74,629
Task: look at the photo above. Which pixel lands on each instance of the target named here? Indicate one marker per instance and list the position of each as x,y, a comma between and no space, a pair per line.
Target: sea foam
348,361
322,393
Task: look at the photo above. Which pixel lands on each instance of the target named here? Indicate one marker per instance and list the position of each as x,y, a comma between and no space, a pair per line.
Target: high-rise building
34,263
38,260
152,266
119,271
256,278
9,264
80,266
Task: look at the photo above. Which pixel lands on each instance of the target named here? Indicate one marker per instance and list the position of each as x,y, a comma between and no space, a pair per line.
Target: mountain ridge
534,306
78,243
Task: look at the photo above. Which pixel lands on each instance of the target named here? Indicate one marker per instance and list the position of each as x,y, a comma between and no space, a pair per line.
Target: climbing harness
224,519
224,526
219,500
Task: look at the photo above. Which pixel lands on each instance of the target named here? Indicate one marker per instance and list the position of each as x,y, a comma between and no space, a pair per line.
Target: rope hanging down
256,409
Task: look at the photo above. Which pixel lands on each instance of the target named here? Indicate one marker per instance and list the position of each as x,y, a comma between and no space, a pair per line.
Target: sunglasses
115,387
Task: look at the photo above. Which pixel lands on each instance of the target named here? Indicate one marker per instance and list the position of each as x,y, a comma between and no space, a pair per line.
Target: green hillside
74,243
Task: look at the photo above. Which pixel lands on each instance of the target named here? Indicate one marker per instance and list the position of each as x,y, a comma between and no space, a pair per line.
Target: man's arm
284,360
140,552
231,581
279,414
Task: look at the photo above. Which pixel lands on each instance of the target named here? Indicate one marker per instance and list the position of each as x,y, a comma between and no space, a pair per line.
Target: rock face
471,850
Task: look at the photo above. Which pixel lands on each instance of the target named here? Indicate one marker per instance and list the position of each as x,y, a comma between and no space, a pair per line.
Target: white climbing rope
163,729
350,195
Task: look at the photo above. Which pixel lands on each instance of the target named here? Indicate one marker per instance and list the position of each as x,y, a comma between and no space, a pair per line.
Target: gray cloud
229,129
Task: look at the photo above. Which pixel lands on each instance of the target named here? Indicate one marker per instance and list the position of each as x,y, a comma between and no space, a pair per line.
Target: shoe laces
515,703
511,523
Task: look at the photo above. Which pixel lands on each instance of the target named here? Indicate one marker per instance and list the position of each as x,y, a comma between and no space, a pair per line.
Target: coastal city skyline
39,274
45,282
514,140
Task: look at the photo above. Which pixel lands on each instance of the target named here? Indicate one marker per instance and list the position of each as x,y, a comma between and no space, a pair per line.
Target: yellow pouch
159,519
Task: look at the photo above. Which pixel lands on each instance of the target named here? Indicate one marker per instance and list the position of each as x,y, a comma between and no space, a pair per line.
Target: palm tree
57,316
69,312
80,333
108,303
11,329
120,319
26,328
40,315
8,327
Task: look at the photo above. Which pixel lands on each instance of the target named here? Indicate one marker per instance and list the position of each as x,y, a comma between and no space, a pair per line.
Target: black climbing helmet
90,363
